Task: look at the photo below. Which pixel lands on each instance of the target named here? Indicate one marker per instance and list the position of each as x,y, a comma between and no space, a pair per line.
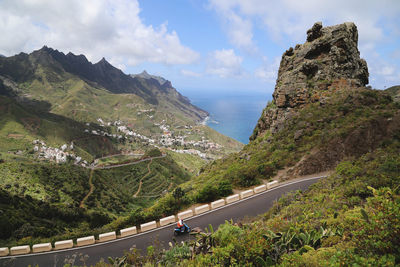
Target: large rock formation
328,60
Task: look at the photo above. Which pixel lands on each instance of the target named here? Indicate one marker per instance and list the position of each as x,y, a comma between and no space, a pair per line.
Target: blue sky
226,45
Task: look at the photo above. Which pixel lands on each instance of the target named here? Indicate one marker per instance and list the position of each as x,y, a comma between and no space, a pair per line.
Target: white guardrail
85,241
41,247
90,240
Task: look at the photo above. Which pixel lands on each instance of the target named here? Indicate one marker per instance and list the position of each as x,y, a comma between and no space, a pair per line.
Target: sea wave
208,120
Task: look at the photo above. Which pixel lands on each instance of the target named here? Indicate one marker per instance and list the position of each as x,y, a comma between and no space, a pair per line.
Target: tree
178,194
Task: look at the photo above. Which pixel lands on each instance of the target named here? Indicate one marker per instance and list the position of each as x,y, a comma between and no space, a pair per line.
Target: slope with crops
40,199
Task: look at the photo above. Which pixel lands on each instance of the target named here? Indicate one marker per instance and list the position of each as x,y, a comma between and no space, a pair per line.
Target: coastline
205,120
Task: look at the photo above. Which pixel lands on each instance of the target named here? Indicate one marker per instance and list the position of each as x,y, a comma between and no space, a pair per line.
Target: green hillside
351,218
20,126
394,91
42,199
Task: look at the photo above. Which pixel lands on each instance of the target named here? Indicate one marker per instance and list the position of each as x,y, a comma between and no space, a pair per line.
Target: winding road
127,164
141,180
82,204
92,254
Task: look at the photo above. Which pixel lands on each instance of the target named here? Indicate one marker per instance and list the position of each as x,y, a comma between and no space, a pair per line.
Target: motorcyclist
181,225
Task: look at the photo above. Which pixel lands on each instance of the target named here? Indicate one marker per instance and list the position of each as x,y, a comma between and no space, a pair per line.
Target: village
166,139
58,155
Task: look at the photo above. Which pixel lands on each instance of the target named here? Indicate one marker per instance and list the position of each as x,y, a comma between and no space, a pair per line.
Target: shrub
379,231
227,233
98,219
176,254
247,176
224,188
137,217
348,169
207,193
153,153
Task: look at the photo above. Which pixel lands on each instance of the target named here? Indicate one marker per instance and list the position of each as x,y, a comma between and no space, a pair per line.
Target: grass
394,91
190,163
117,159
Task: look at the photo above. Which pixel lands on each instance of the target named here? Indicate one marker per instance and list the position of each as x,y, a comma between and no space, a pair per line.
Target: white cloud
224,63
291,17
95,28
287,21
386,74
190,73
387,70
268,72
239,29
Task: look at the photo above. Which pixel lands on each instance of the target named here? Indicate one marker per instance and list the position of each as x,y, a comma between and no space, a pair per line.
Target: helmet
180,223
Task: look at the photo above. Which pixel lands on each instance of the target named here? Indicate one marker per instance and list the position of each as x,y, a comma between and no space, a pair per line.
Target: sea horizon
234,114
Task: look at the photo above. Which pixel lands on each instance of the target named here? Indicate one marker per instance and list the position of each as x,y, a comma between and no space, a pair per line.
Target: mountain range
52,67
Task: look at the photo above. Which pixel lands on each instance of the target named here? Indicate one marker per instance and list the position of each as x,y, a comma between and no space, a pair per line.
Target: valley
76,145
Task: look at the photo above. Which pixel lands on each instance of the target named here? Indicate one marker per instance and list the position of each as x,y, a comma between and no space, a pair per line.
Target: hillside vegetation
351,218
394,91
41,199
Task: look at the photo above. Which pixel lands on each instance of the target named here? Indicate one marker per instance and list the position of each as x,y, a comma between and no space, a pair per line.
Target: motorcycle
184,229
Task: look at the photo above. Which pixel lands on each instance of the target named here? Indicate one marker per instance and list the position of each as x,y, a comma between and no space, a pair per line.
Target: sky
225,45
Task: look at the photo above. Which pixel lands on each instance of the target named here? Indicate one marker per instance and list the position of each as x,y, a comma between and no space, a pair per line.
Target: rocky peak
103,61
328,60
145,75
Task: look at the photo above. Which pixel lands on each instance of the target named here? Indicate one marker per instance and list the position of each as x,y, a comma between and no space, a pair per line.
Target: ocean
234,114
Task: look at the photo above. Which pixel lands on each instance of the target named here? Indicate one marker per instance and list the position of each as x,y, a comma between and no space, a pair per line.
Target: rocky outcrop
329,60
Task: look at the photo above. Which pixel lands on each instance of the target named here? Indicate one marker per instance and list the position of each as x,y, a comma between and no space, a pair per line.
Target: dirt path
120,154
82,204
130,163
141,180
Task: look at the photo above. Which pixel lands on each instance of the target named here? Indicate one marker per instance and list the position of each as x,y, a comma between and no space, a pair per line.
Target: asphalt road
88,255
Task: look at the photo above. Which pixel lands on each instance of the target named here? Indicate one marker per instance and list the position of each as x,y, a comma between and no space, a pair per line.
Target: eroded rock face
328,60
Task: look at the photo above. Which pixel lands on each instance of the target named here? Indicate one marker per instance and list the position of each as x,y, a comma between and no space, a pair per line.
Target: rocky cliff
329,60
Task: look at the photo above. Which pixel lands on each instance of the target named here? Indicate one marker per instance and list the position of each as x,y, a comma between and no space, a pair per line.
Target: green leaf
305,249
365,215
260,261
